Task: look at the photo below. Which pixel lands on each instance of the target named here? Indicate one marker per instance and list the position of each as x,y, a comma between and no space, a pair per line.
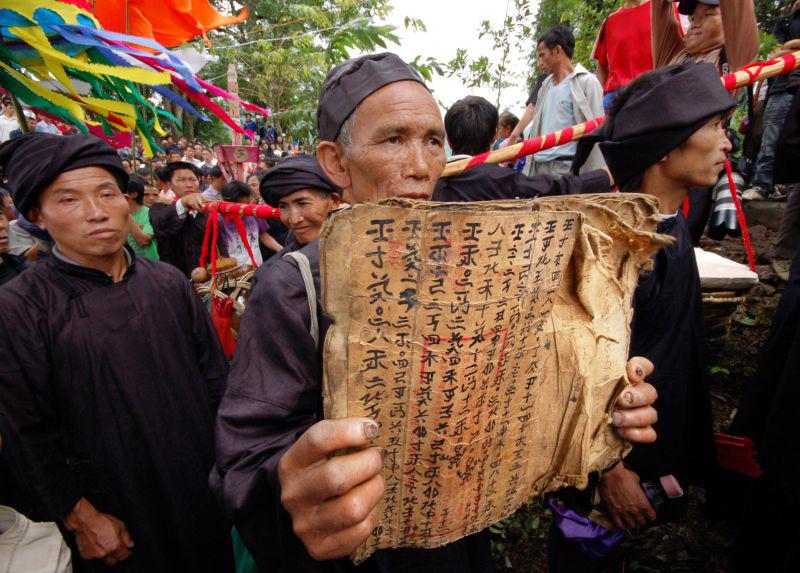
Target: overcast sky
450,25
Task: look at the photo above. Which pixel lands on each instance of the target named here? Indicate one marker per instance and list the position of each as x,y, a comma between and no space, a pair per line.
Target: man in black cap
723,33
180,226
305,196
297,507
663,154
471,124
110,374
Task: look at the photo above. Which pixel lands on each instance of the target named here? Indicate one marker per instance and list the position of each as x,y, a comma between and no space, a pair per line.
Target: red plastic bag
736,453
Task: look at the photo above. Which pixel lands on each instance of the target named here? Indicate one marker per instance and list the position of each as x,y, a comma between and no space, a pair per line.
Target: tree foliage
514,35
768,12
283,51
584,17
524,23
517,34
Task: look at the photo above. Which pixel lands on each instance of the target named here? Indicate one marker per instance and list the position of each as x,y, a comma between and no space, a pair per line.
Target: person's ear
336,199
331,158
35,217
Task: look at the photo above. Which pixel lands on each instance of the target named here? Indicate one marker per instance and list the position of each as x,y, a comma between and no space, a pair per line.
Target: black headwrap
677,101
293,174
33,161
349,83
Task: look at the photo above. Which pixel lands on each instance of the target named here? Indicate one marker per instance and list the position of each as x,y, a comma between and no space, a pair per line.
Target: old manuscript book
489,341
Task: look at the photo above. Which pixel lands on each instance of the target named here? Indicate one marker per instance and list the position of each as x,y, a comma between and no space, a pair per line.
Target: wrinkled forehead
82,179
404,105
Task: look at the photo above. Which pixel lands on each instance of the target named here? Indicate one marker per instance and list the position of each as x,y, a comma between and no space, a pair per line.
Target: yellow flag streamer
45,93
148,150
69,12
55,60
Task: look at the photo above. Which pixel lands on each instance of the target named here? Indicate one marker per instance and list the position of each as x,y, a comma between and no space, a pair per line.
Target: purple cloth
593,539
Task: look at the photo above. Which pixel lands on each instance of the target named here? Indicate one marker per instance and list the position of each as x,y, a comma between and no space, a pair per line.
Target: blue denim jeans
774,115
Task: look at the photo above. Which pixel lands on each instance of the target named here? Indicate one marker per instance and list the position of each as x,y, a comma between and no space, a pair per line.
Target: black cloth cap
652,122
33,161
686,7
351,82
293,174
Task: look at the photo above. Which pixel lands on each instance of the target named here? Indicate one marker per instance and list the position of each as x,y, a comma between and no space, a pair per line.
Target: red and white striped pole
744,77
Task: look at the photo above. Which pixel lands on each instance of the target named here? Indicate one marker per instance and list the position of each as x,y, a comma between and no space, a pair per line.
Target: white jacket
31,547
587,103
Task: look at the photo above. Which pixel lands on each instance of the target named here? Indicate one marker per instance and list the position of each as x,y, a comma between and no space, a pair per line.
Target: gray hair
345,137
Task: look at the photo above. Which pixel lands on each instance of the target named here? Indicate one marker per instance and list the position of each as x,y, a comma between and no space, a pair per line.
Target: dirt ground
699,543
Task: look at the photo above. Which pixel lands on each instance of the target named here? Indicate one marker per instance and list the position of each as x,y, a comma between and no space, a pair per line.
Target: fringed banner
50,49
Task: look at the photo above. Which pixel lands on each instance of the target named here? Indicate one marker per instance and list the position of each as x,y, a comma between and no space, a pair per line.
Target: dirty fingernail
639,371
628,397
616,419
370,430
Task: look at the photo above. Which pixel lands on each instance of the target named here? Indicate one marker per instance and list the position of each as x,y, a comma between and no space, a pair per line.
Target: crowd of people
129,434
183,168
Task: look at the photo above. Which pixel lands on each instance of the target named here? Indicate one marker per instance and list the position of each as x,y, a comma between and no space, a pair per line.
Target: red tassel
237,220
207,236
215,225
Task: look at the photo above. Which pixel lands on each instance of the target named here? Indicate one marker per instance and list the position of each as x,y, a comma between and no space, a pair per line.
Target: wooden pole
236,166
233,87
21,119
133,131
243,209
524,148
749,75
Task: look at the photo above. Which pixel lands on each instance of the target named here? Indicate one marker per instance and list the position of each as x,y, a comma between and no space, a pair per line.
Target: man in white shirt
216,180
44,125
180,226
8,121
188,157
569,95
208,158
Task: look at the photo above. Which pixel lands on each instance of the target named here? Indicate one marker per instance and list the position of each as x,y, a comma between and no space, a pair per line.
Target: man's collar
65,263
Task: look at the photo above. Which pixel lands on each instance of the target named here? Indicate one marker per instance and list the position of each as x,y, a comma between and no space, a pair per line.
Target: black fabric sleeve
273,396
164,219
596,181
32,436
